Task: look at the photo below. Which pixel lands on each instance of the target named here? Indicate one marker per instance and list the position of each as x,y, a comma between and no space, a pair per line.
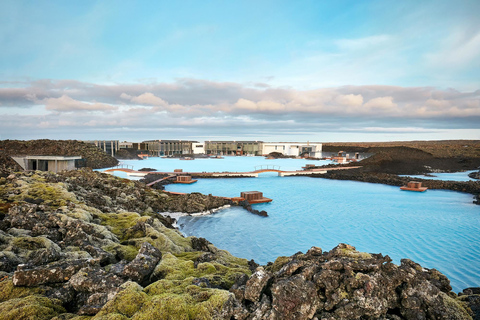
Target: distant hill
439,148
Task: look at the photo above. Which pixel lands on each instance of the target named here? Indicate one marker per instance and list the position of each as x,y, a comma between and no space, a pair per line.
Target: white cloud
350,100
225,108
65,103
149,99
384,103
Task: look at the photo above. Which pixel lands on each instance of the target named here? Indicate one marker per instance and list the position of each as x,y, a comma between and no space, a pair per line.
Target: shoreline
101,229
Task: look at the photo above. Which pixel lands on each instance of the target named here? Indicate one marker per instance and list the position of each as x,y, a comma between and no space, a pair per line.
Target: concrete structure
168,147
311,149
109,146
234,148
47,163
198,148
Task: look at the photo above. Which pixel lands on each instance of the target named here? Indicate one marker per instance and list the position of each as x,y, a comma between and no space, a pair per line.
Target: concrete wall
198,148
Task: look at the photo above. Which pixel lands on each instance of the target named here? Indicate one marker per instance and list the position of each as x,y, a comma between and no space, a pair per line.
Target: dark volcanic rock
77,250
472,187
346,284
474,175
52,273
142,266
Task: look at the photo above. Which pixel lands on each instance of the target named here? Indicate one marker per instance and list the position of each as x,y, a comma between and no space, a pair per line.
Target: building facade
234,148
48,163
294,148
109,146
168,147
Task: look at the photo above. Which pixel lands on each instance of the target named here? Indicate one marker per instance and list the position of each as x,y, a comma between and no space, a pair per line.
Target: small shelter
185,179
414,186
254,197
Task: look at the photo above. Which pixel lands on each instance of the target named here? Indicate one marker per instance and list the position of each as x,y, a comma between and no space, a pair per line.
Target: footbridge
267,168
257,170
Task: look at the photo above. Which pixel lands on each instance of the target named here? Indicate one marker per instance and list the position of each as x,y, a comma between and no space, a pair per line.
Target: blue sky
312,70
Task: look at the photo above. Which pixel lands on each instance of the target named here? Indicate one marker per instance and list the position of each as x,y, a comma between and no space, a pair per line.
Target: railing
124,165
267,167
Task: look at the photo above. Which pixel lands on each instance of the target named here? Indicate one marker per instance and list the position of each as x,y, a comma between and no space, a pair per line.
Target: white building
198,148
293,148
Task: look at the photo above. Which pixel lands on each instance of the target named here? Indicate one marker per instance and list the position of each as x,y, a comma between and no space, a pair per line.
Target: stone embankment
472,187
413,161
474,175
84,244
95,158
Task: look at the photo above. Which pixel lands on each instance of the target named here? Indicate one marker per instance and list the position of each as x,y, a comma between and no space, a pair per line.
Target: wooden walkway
255,173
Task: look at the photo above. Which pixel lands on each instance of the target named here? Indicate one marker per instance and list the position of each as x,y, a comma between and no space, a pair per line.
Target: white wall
198,148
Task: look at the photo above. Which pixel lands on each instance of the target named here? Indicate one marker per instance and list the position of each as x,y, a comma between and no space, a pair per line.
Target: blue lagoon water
438,229
450,176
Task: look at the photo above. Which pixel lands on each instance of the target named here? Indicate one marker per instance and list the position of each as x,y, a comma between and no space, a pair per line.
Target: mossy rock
9,291
34,243
35,188
70,316
218,275
33,307
122,252
119,222
456,308
172,299
126,303
278,264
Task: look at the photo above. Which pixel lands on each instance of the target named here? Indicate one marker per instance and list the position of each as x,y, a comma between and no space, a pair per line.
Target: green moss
9,291
112,316
174,268
127,302
34,307
456,309
118,223
190,302
278,264
56,194
126,252
71,316
350,253
32,243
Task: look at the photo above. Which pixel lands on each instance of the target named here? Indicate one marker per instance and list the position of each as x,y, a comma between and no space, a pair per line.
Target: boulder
56,272
144,263
256,284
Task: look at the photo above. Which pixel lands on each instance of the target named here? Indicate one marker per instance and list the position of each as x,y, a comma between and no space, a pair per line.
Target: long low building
169,147
258,148
294,148
47,163
234,148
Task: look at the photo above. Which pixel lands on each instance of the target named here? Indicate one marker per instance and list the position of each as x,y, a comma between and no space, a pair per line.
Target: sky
240,70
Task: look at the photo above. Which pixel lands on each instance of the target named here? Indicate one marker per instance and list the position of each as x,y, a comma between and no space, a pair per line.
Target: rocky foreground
86,245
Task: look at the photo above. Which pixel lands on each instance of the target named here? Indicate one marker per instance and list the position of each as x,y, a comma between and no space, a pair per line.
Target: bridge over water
258,170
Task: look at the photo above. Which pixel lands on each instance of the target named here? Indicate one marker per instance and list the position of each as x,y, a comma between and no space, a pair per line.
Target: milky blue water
453,176
438,229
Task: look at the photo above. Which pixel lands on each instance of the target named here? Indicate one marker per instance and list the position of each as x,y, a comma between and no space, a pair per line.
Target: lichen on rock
85,245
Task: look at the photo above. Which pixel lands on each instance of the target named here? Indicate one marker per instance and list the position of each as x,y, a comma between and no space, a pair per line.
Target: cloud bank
193,107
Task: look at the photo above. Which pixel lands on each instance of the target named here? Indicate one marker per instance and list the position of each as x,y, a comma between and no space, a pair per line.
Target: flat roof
53,157
234,141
